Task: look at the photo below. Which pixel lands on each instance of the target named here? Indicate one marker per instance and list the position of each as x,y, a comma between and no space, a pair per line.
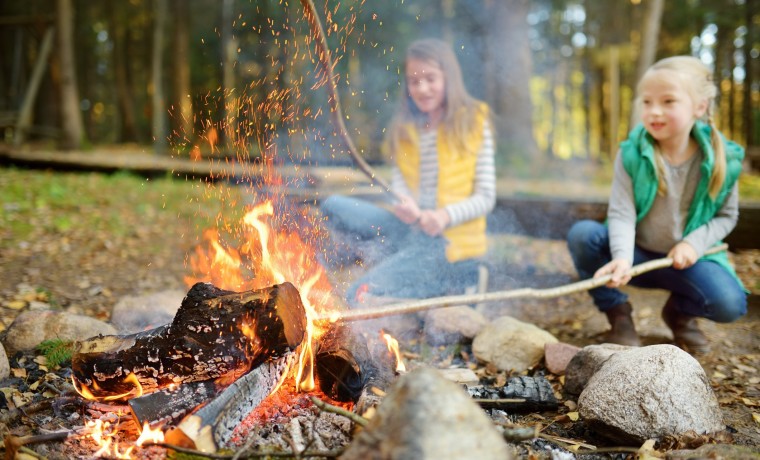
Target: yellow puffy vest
456,180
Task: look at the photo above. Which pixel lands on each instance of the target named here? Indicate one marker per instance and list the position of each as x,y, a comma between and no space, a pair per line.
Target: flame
270,252
104,435
148,434
393,348
85,392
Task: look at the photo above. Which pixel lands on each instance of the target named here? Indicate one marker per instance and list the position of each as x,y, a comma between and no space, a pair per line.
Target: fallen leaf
15,304
19,372
756,417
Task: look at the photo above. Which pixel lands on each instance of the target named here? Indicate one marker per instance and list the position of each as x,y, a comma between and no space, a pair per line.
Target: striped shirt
483,198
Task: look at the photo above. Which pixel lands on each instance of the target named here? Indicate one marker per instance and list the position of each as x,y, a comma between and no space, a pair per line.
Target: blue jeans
705,289
409,263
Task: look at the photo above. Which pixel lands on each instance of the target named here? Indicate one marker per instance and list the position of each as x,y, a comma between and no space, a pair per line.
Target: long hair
697,80
460,106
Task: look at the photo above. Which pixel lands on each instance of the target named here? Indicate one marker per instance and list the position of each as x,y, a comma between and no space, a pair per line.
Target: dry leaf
15,304
19,372
756,417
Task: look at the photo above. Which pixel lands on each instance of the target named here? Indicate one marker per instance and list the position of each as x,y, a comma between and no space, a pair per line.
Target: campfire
226,351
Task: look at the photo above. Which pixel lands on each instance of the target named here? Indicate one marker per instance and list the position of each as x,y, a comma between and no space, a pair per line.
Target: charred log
169,406
520,394
212,426
352,367
215,333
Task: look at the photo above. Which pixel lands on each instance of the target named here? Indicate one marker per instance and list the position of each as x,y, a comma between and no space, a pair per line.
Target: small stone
558,355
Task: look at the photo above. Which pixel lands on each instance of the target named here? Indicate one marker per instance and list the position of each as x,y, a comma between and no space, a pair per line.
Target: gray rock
450,325
648,393
510,344
139,313
30,328
424,416
585,363
5,367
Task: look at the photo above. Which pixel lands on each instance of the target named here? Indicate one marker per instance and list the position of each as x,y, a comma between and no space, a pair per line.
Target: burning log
169,406
215,333
212,425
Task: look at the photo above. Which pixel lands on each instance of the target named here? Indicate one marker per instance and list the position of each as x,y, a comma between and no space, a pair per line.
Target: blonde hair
697,80
460,106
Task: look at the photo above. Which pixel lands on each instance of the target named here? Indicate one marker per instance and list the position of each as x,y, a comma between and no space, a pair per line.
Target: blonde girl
674,194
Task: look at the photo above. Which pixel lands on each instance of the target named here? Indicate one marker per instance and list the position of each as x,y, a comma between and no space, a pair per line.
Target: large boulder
425,416
648,393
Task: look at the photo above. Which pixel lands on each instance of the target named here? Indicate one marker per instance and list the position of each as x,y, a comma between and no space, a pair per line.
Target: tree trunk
72,127
184,114
159,106
649,38
512,68
125,105
229,123
750,66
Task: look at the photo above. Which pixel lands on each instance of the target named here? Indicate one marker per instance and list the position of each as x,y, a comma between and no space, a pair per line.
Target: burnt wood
169,406
348,364
212,426
551,218
520,394
215,333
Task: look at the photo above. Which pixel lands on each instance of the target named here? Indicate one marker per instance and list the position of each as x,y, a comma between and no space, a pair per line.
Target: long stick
336,114
447,301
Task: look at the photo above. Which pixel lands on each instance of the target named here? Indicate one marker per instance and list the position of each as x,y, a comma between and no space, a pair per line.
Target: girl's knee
730,308
580,234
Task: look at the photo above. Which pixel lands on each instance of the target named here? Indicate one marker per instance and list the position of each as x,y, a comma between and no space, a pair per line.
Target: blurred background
239,78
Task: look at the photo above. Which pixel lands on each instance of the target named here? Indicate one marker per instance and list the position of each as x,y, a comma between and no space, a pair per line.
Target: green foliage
57,351
749,187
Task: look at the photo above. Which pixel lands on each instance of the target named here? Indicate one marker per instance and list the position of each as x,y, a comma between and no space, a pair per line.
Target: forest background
242,78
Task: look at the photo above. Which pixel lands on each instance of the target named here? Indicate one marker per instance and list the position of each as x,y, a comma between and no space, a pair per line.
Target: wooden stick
447,301
336,114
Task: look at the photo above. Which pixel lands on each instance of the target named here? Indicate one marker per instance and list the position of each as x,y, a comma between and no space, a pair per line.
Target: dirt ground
77,274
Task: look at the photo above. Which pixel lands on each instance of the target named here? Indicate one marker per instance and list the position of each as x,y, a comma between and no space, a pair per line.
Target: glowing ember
393,348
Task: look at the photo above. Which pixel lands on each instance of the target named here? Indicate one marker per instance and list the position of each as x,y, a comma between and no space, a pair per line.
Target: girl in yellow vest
675,194
427,243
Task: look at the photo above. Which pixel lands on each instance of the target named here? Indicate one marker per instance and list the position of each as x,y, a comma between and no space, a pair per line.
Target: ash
287,421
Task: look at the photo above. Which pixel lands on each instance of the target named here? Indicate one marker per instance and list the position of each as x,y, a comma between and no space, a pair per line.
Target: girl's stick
438,302
336,114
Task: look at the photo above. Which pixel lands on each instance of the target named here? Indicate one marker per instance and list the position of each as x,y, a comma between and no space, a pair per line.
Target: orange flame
104,436
269,253
85,392
149,434
393,348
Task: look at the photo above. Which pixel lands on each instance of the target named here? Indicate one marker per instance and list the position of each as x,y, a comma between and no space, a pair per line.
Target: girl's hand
435,222
407,210
683,255
620,270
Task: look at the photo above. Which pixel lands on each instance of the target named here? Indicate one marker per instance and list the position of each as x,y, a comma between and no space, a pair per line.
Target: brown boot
686,333
623,331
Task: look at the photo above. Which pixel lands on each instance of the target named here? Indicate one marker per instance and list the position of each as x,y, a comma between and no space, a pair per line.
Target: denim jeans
405,262
705,289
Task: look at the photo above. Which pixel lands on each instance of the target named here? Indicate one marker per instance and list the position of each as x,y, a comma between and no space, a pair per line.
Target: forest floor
80,242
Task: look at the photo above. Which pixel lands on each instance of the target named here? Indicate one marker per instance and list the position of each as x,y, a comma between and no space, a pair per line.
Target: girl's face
668,111
427,87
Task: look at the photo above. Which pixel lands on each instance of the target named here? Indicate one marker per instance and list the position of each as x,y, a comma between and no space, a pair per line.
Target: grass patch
118,204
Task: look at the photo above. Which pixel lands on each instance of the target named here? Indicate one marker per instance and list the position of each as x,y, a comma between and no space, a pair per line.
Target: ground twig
358,419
